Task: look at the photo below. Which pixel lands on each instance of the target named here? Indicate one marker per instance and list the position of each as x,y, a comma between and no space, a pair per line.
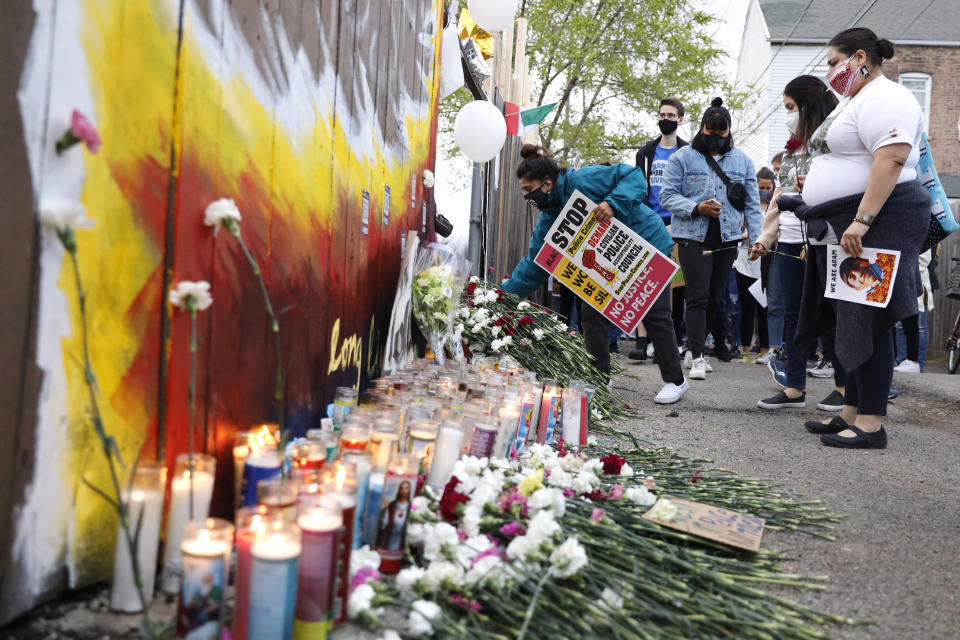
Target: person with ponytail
862,190
620,189
808,102
710,188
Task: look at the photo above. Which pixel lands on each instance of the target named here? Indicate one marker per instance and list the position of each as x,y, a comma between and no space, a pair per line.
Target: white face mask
793,121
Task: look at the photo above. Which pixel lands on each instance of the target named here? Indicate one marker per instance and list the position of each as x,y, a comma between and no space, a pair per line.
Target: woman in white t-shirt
861,190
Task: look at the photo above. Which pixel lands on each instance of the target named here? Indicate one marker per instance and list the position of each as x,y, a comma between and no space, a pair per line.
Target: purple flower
363,576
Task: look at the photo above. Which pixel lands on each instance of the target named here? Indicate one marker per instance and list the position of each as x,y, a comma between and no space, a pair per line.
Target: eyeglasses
668,116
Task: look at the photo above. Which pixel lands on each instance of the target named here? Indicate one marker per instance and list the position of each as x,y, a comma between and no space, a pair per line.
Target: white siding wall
792,61
753,77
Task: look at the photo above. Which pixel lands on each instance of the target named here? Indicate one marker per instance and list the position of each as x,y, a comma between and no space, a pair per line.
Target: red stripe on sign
629,311
548,258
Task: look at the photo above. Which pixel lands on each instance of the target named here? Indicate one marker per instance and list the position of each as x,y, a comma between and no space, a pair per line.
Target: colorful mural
318,119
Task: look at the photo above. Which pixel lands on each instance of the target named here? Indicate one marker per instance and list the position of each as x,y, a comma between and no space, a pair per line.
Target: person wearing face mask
862,190
620,189
653,158
710,188
808,102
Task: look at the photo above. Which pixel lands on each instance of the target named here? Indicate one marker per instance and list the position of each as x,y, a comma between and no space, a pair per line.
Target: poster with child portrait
867,279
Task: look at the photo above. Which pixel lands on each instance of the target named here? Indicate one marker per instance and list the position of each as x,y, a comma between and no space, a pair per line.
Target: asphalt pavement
896,559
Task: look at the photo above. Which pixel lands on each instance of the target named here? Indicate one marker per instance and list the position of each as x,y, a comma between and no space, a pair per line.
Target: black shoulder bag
736,192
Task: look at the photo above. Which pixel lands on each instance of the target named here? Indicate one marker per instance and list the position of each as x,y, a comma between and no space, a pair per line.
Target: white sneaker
688,360
765,358
672,392
650,350
699,369
707,365
908,366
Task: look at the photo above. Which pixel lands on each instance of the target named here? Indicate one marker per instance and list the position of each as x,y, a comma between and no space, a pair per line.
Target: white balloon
480,130
492,15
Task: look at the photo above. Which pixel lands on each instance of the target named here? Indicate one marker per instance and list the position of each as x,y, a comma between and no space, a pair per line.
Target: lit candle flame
137,496
203,535
257,523
341,476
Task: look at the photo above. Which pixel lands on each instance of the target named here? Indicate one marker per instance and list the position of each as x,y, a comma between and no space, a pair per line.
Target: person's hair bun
717,102
885,48
529,151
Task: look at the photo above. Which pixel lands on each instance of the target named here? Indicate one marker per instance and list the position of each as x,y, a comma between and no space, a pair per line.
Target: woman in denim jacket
705,225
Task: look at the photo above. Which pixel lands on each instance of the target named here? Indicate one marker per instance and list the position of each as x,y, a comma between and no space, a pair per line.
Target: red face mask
843,77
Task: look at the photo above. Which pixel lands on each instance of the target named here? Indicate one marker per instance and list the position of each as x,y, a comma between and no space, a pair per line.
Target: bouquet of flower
492,320
553,545
438,276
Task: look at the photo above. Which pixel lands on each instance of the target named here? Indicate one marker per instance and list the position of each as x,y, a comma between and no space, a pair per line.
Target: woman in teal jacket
620,190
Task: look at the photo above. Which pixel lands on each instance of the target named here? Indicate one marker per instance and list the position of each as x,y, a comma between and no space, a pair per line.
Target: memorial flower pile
553,544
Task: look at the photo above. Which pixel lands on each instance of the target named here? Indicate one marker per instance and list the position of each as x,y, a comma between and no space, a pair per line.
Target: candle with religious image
191,477
145,508
550,409
421,440
320,520
535,417
525,424
364,465
339,481
372,511
400,483
205,550
275,555
260,465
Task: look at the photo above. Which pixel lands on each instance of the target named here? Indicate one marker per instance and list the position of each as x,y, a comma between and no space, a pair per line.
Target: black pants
659,325
751,311
868,385
705,277
911,333
678,294
829,336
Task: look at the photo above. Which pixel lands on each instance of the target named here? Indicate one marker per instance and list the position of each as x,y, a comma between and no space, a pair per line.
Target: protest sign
867,279
714,523
606,264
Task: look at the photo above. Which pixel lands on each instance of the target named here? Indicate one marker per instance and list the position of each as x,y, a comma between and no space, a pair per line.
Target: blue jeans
786,278
735,311
924,340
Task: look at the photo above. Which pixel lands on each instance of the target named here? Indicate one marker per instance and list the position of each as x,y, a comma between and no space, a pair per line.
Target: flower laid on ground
222,213
664,510
191,296
422,614
81,130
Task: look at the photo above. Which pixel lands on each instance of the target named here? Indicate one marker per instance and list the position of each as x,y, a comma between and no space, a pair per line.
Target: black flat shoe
862,440
836,425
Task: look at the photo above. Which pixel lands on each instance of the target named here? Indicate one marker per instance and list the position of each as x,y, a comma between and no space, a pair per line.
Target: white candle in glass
446,454
146,507
180,511
570,417
508,418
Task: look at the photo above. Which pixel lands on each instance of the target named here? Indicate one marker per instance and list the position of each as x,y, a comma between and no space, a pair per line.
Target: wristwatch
865,219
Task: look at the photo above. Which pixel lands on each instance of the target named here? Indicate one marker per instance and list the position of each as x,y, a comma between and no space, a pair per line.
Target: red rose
451,500
524,320
793,144
471,288
612,463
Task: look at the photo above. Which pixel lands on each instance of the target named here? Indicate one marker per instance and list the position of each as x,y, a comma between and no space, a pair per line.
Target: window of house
919,86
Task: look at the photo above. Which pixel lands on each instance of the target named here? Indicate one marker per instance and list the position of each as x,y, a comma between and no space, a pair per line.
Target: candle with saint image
400,483
537,395
372,510
279,495
339,481
251,521
260,465
363,463
507,418
320,520
571,416
273,581
205,550
191,476
384,441
550,405
145,508
445,456
421,439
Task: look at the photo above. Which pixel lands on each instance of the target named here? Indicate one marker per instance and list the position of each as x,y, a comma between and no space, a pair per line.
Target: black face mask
538,198
715,142
667,126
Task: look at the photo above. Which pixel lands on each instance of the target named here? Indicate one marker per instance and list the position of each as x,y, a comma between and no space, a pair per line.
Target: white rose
423,612
568,558
360,600
221,213
409,577
640,495
64,214
180,296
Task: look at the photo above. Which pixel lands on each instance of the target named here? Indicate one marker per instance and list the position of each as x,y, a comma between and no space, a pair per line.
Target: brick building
786,38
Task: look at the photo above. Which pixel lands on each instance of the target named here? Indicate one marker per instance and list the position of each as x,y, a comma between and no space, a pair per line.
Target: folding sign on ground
607,264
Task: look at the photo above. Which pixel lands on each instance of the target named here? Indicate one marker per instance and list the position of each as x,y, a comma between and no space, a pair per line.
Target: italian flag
520,122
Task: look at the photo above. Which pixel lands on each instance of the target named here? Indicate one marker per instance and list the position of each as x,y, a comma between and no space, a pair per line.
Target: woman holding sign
620,190
710,188
862,191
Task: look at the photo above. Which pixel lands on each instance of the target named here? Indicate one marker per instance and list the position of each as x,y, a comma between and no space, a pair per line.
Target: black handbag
736,191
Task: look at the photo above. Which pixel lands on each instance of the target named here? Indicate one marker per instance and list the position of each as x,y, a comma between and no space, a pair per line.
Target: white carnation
423,612
360,600
664,510
436,536
363,558
571,463
442,571
552,499
560,478
64,214
428,179
474,279
485,568
523,305
507,340
640,495
538,334
568,558
471,520
611,600
416,533
585,482
495,331
186,294
497,343
626,470
409,577
542,526
221,213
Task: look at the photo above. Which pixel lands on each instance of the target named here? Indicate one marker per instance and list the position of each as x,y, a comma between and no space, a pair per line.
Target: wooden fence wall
318,117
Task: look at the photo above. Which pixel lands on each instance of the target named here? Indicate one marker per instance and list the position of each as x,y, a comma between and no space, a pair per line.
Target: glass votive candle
242,442
354,438
339,481
320,520
550,407
364,464
279,495
275,556
570,417
261,464
421,440
384,442
484,437
400,484
145,507
445,455
343,403
507,419
251,521
205,551
310,453
191,477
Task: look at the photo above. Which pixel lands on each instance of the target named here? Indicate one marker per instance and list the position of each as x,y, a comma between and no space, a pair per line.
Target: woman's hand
709,208
603,212
803,254
756,251
852,240
798,183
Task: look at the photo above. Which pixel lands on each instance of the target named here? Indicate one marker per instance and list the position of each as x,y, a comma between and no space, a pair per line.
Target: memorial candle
310,454
339,481
320,521
421,440
550,405
446,454
279,495
273,581
363,463
400,482
145,508
507,418
191,476
205,551
242,442
372,509
251,521
571,416
343,402
484,436
261,465
354,438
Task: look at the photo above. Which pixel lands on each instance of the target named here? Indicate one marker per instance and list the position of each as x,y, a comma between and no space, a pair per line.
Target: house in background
783,39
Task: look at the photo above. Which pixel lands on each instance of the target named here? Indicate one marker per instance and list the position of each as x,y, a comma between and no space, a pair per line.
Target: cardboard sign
606,264
867,280
714,523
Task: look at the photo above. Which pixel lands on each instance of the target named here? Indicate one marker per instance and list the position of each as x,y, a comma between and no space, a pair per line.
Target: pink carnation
363,576
85,131
616,492
597,514
510,529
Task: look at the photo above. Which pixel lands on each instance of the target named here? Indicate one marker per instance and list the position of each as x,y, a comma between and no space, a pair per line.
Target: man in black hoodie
653,158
